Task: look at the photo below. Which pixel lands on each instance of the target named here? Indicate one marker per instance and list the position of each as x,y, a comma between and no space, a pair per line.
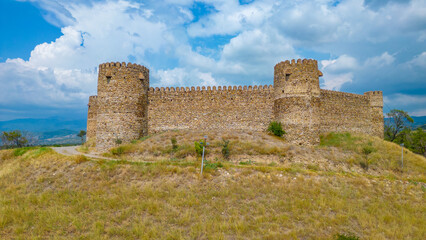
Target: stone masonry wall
92,115
344,112
246,108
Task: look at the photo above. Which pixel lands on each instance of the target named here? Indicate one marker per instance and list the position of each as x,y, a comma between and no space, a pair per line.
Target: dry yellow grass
48,196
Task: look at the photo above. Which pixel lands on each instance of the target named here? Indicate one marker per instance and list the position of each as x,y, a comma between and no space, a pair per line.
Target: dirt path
72,150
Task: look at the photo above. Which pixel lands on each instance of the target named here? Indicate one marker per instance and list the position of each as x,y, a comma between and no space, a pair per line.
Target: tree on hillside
419,141
396,123
81,134
13,138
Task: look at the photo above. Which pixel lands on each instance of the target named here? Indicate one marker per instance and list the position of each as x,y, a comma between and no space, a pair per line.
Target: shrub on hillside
367,150
198,148
117,151
346,237
174,144
118,141
225,149
276,128
80,159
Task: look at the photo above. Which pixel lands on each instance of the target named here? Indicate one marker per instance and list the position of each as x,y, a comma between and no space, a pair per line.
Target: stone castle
126,108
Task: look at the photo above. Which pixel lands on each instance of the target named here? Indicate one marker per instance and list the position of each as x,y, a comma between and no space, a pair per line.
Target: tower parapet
376,112
122,103
297,99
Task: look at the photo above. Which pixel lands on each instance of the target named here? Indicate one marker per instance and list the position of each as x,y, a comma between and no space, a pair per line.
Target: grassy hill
350,185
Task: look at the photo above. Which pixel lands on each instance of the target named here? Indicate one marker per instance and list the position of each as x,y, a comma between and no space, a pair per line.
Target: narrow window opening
108,79
287,76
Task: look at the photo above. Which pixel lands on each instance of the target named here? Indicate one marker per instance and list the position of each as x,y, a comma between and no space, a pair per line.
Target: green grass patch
212,166
341,140
249,162
21,151
33,152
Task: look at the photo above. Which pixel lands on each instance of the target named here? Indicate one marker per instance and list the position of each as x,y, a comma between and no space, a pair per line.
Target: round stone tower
297,100
122,104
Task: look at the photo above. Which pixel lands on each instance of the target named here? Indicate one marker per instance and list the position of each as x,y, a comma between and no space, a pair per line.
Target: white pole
202,162
402,155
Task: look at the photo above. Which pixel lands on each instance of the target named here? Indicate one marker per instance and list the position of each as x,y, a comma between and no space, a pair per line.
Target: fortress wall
223,108
344,112
92,115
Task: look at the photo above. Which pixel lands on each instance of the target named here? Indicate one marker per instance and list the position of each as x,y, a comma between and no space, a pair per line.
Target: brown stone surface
344,112
297,101
210,108
127,109
92,115
122,103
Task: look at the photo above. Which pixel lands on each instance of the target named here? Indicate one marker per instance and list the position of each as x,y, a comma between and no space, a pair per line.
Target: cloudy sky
50,49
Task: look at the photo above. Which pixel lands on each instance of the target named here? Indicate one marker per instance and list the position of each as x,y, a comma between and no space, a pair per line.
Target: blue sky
50,49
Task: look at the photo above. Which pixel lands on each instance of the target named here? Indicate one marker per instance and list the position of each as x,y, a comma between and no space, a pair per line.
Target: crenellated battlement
343,94
127,108
92,98
306,65
203,89
107,65
298,63
374,93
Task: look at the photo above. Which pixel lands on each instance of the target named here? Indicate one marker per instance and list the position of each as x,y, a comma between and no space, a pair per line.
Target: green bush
174,144
367,150
276,128
80,159
198,148
249,162
346,237
117,151
225,149
212,166
364,165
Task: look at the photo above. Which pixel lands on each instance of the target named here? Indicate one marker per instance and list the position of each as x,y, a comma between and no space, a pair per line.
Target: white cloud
414,104
405,99
161,35
338,71
419,112
63,73
340,64
180,77
231,18
23,84
336,81
419,60
380,61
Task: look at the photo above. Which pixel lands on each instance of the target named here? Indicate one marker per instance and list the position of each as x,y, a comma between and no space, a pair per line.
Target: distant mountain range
64,131
47,131
418,122
43,125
